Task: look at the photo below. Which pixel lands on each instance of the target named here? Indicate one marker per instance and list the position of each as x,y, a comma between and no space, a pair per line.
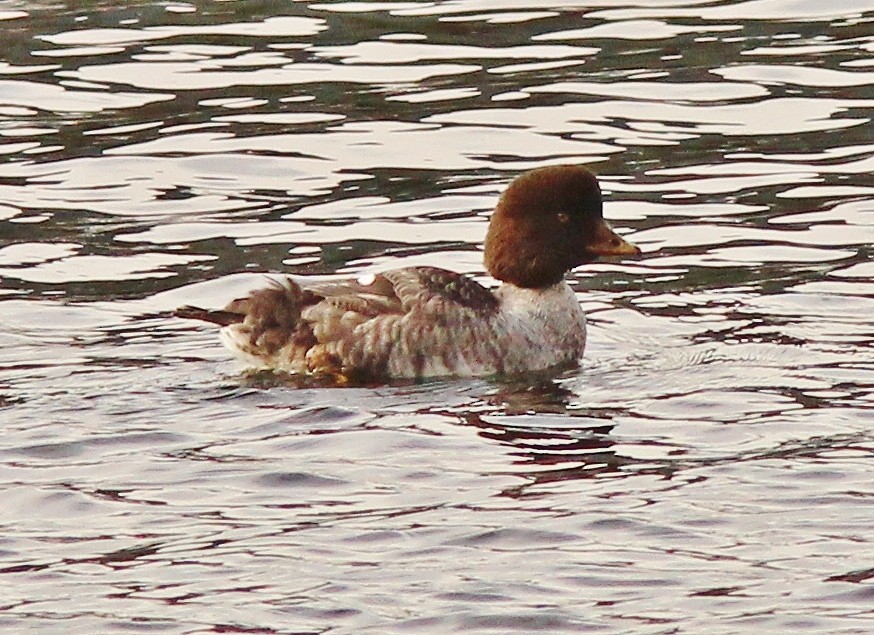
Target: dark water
708,470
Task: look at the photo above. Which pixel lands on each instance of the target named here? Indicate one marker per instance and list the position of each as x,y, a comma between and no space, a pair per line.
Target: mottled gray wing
433,297
438,292
423,321
423,289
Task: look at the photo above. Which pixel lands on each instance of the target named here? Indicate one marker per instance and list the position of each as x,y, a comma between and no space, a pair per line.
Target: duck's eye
562,217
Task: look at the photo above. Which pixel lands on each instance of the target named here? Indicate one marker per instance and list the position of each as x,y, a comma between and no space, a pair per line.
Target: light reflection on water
706,470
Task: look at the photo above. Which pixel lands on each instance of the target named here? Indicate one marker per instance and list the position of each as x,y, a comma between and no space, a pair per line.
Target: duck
421,322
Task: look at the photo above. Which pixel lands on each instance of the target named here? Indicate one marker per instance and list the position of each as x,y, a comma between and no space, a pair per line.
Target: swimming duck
423,321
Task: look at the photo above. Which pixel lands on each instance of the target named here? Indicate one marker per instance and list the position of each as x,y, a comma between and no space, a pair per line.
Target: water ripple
706,469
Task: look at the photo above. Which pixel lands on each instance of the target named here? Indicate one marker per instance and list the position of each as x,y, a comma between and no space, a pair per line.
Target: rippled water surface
707,470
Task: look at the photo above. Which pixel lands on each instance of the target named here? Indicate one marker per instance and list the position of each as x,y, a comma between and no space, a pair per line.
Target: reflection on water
706,470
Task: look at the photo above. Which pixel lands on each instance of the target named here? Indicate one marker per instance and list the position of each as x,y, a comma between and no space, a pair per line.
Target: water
708,468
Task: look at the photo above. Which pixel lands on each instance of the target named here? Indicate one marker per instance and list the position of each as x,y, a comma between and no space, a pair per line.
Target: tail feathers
265,326
220,317
278,305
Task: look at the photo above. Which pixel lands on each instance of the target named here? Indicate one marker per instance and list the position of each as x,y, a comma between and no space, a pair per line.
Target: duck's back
412,322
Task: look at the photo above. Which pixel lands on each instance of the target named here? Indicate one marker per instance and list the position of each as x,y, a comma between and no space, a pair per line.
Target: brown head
547,222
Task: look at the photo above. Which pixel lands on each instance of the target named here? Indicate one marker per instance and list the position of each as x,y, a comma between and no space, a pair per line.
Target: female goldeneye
423,321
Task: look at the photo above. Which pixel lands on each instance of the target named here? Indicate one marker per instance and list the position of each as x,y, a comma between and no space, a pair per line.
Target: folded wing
403,323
